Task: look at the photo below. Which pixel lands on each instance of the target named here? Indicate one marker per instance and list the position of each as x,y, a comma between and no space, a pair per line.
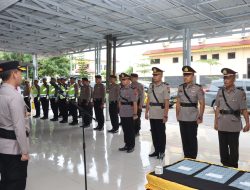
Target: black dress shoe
44,118
154,154
114,131
36,116
137,134
110,131
54,119
63,121
100,129
97,128
123,148
74,123
130,150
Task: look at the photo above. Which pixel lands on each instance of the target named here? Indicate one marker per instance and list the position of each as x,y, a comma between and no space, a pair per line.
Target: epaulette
240,88
165,83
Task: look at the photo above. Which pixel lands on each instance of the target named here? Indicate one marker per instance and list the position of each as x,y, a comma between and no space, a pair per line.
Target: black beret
134,75
228,72
157,70
85,79
11,65
188,69
98,76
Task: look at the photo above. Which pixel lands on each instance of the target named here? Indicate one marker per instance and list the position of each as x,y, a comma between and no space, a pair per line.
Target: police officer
14,146
53,96
63,100
128,112
230,104
59,84
73,95
99,99
140,91
85,102
114,90
44,97
26,95
157,111
188,113
35,90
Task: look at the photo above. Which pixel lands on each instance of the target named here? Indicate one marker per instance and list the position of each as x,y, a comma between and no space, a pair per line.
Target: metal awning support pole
114,56
187,47
108,69
34,61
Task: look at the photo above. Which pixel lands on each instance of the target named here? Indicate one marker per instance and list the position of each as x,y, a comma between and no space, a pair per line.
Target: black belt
156,104
113,102
127,103
188,104
232,112
6,134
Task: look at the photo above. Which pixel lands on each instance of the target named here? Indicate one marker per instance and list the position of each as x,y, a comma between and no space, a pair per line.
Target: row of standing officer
190,106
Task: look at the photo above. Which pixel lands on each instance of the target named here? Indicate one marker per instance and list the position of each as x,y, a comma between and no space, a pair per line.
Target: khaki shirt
162,92
99,92
12,117
114,90
196,94
140,90
236,98
131,95
85,94
26,91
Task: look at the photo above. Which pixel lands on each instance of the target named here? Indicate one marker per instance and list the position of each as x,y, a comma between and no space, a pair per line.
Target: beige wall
238,64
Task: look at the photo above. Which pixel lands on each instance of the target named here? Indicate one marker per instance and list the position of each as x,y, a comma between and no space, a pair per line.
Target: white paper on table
184,168
245,183
218,176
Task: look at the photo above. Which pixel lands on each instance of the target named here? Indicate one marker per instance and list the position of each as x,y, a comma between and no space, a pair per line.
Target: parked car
211,92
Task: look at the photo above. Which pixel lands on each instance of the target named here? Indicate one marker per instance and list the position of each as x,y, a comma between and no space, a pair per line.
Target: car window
239,83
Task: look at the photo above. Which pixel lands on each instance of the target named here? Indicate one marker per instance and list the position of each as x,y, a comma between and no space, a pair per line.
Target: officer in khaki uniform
188,113
114,90
14,142
85,102
44,97
73,95
53,96
140,90
99,99
35,90
128,112
157,111
26,94
230,104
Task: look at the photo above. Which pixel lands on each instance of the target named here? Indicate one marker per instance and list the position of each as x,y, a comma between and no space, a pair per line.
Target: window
175,59
203,57
248,86
216,56
155,61
192,58
231,55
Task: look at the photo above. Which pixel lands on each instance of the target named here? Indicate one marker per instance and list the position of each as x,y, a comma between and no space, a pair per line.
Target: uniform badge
154,70
224,71
186,69
122,75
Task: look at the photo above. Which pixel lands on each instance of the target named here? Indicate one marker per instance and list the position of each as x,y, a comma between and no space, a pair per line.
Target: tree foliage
129,70
54,66
23,58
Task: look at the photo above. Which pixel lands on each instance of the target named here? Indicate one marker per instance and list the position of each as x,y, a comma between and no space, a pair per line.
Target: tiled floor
57,158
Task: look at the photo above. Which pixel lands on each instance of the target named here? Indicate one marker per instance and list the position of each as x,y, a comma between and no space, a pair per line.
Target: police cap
134,75
124,76
156,70
188,69
85,79
228,72
11,65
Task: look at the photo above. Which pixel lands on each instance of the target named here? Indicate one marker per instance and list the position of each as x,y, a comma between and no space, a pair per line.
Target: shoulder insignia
240,88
